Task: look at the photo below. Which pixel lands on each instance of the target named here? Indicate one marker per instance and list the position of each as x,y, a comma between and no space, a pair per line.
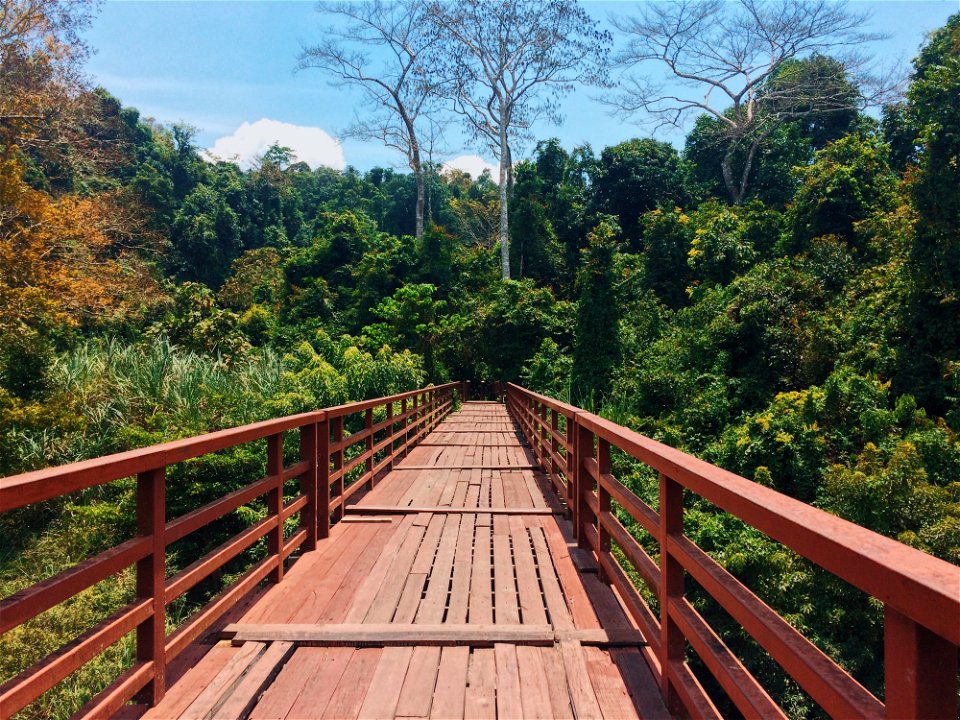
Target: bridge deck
451,589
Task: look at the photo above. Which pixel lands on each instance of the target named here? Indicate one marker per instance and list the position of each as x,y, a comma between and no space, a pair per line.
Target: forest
801,329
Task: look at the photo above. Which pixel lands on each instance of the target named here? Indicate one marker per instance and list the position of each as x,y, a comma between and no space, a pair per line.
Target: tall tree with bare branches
378,47
506,63
736,62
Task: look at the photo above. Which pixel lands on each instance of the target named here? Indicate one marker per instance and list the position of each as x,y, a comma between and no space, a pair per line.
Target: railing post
323,479
571,469
542,414
603,506
151,578
390,434
275,502
920,670
406,426
582,483
308,484
672,643
368,445
554,443
338,461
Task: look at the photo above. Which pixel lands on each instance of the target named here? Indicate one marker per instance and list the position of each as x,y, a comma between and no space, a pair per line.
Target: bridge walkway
451,589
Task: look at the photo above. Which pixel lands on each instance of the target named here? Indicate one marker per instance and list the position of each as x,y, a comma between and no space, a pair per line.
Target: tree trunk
726,165
504,194
421,200
417,166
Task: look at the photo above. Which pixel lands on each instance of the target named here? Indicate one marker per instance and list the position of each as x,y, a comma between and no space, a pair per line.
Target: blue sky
219,64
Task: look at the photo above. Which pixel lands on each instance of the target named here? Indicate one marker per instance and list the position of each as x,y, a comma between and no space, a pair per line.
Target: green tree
535,249
634,177
596,346
930,355
206,235
849,181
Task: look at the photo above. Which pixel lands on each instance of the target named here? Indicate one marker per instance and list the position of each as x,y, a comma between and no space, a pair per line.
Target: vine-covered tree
738,61
596,346
506,63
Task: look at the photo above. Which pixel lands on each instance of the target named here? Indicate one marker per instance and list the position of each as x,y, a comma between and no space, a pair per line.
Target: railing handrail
927,588
328,476
39,485
921,593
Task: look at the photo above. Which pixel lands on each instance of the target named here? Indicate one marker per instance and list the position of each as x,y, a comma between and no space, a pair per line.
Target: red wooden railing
920,593
328,476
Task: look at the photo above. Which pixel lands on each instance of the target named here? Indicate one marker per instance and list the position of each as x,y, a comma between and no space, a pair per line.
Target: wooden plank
189,687
410,598
640,684
507,609
354,510
384,604
283,692
533,680
582,695
509,697
560,706
305,685
612,695
244,696
449,697
496,490
323,587
528,585
449,488
432,605
372,583
570,580
366,519
347,699
533,487
357,574
384,691
207,702
460,586
416,696
481,600
609,610
553,594
282,598
499,465
397,634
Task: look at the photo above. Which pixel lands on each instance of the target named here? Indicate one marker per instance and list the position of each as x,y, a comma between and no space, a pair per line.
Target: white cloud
309,144
473,164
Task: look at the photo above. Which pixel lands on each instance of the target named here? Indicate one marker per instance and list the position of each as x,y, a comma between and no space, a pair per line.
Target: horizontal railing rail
331,467
920,593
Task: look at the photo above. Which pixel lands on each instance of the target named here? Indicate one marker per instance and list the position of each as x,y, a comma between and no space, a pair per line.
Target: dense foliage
807,338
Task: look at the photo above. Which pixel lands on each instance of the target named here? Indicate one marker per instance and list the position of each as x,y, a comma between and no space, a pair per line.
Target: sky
226,67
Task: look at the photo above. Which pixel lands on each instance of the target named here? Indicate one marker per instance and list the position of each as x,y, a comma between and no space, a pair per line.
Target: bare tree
378,47
506,63
735,62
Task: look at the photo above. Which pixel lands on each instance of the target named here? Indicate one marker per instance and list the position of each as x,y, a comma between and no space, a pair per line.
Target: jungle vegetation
804,333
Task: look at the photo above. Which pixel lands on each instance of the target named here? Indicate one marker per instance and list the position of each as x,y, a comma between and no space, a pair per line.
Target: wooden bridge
467,560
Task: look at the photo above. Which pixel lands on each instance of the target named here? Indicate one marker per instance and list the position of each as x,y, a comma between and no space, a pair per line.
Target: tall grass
119,396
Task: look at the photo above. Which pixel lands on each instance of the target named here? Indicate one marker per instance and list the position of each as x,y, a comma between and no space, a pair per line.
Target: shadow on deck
451,589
